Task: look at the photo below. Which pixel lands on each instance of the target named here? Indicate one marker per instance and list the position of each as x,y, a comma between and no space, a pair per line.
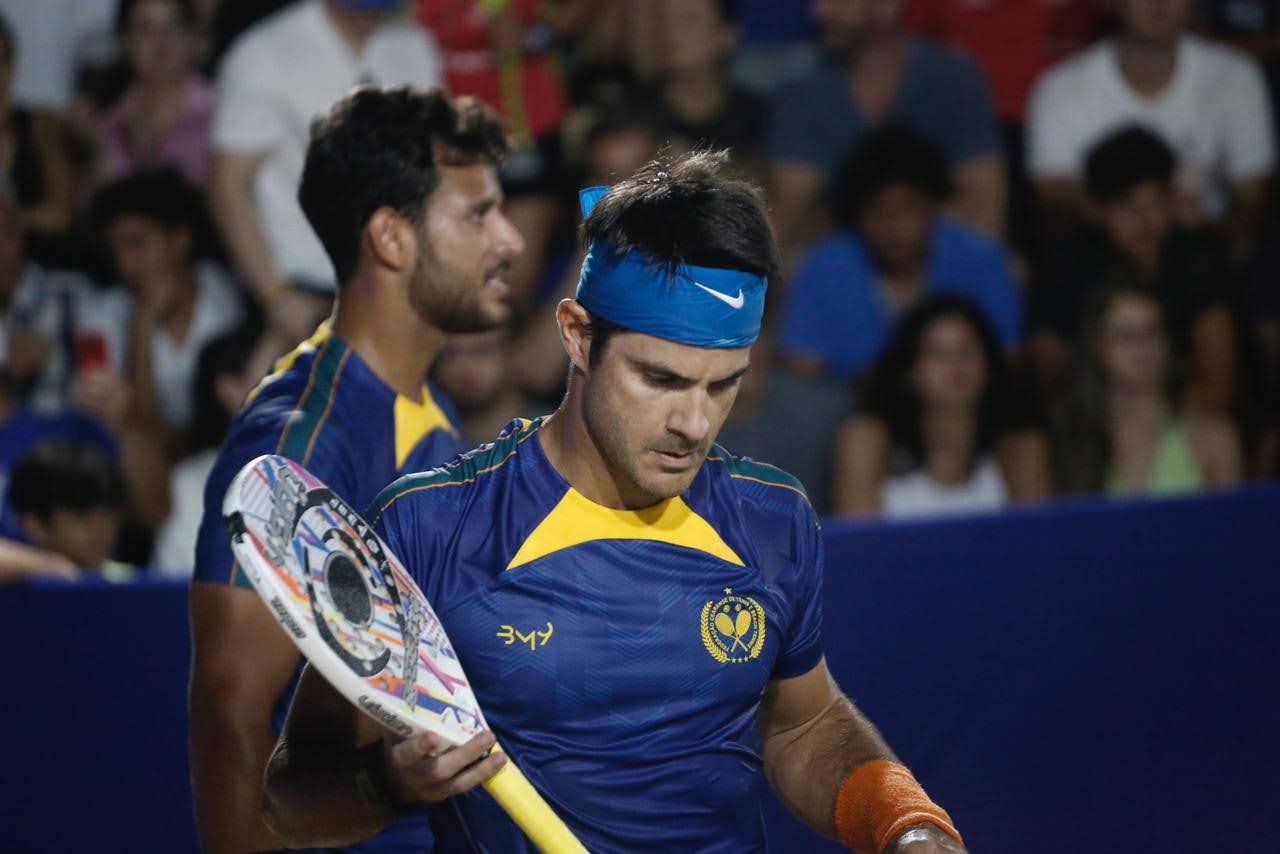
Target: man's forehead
682,359
467,184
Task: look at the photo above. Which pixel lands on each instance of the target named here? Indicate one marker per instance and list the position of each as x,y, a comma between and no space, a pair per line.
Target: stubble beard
442,297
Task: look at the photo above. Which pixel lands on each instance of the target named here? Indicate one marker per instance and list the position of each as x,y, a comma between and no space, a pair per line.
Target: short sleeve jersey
620,656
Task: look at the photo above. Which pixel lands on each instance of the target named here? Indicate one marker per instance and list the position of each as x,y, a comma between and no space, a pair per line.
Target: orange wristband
878,801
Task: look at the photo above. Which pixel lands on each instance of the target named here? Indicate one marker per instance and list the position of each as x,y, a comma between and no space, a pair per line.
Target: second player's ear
391,239
575,332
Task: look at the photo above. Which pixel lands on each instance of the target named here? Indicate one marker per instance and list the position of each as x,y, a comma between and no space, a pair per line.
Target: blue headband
699,306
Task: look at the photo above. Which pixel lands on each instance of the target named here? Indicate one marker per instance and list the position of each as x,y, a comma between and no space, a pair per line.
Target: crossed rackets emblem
733,629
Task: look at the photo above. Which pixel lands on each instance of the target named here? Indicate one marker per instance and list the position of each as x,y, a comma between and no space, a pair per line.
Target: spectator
939,429
154,224
875,74
58,38
68,498
501,54
228,367
34,152
472,370
165,114
1208,102
276,77
893,247
696,103
1136,240
1125,430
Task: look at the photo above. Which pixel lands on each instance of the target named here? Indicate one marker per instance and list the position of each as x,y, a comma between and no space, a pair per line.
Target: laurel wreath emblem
737,633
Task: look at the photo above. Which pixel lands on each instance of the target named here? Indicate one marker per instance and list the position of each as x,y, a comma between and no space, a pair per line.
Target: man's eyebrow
660,369
736,375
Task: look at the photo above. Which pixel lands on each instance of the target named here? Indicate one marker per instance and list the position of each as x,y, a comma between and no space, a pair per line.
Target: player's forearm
226,765
324,797
807,765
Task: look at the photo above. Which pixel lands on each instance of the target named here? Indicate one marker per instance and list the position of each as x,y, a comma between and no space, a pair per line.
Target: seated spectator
228,368
502,54
875,74
34,151
165,113
1137,241
276,77
939,429
696,103
893,247
1207,101
472,370
1125,431
68,498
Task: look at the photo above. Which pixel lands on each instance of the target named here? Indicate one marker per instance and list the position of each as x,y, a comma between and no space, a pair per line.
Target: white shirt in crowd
174,555
54,38
173,364
916,495
1214,113
279,76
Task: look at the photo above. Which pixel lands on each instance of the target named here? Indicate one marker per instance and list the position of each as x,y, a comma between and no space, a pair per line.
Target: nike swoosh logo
733,302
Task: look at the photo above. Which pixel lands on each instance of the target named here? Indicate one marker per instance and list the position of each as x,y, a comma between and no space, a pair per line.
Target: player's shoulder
762,485
458,482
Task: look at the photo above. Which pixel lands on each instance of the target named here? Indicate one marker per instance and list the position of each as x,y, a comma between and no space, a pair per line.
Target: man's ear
575,332
391,239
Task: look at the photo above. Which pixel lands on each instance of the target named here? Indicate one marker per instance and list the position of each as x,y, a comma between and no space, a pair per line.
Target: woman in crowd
1125,430
939,429
164,115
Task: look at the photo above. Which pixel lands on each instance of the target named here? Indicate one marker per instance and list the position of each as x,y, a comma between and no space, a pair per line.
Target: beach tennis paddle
353,611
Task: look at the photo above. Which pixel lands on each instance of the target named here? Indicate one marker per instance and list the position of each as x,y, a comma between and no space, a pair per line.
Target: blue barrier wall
1073,678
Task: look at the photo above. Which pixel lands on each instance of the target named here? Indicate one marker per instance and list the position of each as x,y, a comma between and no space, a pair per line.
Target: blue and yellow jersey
620,656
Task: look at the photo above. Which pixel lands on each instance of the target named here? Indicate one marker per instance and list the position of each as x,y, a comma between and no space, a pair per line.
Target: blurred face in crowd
844,24
654,407
152,259
1132,344
157,41
950,371
86,537
13,256
895,225
1155,21
695,38
1137,223
466,246
6,69
616,155
472,368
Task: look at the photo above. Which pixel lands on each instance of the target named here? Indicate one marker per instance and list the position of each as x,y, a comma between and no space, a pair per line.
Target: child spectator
875,74
1208,101
1126,430
165,114
1137,241
893,247
939,429
68,498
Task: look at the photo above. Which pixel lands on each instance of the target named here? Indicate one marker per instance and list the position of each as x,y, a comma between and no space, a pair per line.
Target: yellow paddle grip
515,794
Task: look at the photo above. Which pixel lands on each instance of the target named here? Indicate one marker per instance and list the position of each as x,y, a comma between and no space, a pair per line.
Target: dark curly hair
382,147
893,155
889,393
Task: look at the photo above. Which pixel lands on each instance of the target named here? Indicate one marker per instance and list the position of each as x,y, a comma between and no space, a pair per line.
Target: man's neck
573,453
1147,66
354,27
393,340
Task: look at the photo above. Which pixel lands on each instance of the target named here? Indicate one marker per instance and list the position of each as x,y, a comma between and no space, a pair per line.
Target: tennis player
637,609
401,187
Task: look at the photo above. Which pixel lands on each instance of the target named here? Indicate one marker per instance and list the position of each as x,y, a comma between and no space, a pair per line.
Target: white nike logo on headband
733,302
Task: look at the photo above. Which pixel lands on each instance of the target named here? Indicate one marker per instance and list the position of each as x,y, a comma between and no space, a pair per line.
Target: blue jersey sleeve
414,524
802,584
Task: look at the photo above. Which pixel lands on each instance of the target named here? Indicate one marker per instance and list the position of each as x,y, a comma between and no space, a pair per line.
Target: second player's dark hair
60,475
382,147
685,210
1124,160
890,156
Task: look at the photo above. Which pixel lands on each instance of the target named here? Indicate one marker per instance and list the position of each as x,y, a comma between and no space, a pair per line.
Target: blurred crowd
1031,246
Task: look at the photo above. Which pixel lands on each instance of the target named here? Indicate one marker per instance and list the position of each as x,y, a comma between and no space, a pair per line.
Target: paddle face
346,601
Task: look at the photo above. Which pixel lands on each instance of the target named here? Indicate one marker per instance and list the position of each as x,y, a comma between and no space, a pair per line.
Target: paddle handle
515,794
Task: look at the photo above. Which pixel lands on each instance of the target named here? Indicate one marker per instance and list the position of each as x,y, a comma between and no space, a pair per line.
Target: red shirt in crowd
1013,40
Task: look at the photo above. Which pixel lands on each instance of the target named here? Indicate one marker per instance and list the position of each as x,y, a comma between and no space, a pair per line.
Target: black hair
160,194
892,155
728,11
59,475
124,12
227,354
1125,159
684,209
8,42
382,147
889,393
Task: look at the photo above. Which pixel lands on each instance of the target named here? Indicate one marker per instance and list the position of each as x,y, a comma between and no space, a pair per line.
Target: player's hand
925,839
425,768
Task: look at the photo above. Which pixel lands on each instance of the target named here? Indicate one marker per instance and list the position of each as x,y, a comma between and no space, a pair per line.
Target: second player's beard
443,296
